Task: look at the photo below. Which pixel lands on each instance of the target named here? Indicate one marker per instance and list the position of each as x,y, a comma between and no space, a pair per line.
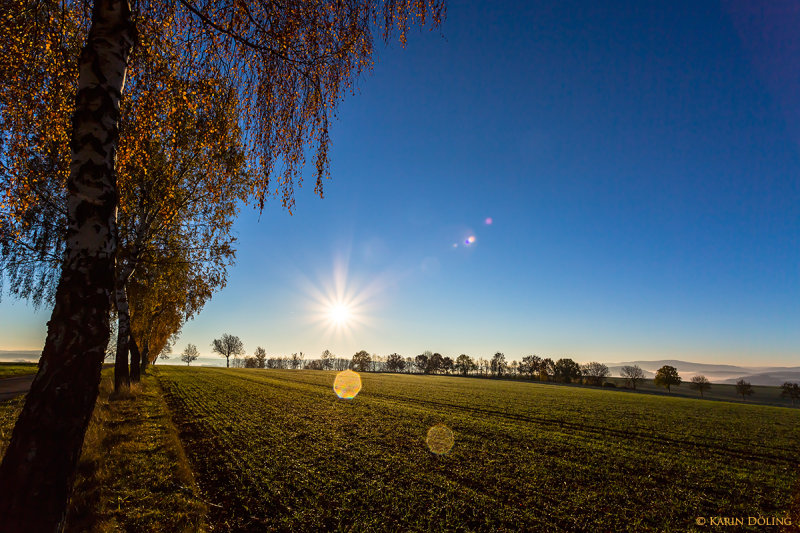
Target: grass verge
9,411
133,474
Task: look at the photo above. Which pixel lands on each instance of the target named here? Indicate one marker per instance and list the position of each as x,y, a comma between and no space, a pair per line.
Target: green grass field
8,370
277,450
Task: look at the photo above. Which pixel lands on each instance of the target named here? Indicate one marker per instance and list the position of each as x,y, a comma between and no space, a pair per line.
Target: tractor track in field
565,426
276,448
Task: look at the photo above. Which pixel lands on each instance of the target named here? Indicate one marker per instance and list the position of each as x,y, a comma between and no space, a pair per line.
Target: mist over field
20,356
716,373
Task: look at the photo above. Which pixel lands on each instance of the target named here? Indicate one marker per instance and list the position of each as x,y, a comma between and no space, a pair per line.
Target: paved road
13,387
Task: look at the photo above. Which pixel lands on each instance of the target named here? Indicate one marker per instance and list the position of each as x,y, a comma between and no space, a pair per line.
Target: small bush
610,384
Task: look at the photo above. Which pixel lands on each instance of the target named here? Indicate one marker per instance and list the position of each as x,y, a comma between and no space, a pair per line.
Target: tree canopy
566,370
361,361
464,364
667,376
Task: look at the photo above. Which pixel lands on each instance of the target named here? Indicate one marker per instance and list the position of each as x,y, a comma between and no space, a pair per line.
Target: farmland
277,450
8,370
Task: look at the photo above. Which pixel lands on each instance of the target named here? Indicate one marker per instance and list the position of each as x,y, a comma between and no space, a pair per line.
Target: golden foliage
180,162
291,64
223,100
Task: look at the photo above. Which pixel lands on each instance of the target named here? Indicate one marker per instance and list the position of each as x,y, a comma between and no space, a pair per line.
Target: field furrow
277,450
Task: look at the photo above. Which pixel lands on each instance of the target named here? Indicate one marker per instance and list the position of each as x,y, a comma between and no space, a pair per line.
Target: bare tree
594,373
792,390
327,360
375,363
190,354
632,375
499,365
700,383
483,366
296,361
744,389
228,346
166,349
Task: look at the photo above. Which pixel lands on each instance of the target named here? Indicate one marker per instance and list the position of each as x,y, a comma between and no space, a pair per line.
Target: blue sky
639,163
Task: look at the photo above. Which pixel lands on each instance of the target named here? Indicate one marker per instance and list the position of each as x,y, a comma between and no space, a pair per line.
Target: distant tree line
532,367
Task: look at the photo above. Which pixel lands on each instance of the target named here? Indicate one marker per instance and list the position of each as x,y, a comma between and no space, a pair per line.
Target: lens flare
347,384
470,240
488,221
440,439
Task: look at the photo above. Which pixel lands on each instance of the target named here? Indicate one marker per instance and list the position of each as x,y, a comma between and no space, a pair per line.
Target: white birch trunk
39,466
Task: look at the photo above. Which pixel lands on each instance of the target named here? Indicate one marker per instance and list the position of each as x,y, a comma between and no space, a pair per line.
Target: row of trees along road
121,171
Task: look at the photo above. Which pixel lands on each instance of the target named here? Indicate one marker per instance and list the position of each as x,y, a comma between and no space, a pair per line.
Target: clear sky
639,164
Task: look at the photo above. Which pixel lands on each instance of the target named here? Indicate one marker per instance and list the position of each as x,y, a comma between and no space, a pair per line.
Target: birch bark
38,469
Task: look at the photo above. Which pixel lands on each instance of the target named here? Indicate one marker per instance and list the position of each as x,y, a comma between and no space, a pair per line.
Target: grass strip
9,370
133,474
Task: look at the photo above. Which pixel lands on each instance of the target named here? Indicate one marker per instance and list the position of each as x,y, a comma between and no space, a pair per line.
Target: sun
340,306
339,314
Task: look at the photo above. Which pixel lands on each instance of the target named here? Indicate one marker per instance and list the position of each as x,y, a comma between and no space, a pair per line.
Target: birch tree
179,158
291,64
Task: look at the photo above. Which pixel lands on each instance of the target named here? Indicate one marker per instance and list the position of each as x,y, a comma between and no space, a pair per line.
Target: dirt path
15,386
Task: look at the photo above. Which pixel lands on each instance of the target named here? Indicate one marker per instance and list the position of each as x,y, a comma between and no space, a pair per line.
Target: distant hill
20,356
616,370
757,375
768,378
